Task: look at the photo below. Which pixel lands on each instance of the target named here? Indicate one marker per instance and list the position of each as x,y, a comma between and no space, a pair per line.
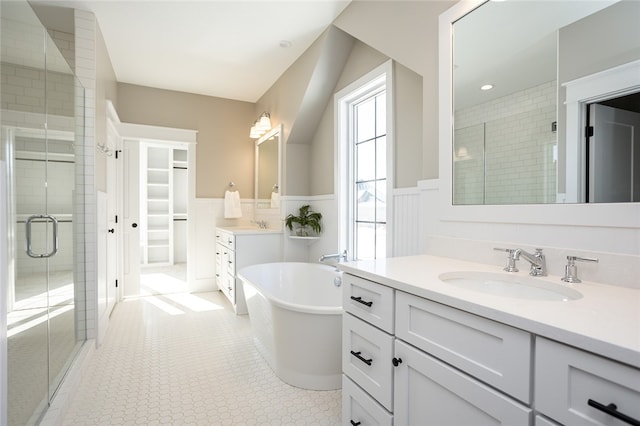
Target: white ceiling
229,49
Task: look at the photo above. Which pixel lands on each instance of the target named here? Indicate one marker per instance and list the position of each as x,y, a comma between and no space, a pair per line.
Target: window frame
380,78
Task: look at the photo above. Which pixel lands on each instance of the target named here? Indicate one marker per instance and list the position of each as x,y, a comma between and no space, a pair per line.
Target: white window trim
382,75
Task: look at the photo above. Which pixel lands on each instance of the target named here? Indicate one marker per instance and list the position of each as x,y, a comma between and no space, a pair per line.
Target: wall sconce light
261,126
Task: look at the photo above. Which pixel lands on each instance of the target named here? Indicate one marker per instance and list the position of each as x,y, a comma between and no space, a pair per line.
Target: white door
131,217
614,155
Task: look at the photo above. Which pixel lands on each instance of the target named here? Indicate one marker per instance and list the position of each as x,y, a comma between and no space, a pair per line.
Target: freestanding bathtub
296,315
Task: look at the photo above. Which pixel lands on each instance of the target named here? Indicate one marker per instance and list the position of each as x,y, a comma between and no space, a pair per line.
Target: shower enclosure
42,143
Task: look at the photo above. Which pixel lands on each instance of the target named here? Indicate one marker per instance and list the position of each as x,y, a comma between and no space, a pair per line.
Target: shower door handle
54,221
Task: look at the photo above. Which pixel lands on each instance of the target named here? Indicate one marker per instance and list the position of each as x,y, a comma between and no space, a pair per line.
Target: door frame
614,82
184,139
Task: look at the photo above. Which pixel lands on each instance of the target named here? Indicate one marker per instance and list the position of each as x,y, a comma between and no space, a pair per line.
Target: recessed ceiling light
486,87
285,44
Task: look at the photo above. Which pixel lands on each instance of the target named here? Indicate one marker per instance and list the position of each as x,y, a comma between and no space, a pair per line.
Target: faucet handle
571,270
512,256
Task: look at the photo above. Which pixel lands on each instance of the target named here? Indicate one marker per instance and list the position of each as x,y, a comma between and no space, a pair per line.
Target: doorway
158,196
613,150
163,218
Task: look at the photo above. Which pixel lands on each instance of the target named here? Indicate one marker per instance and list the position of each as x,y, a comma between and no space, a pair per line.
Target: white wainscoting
406,222
406,230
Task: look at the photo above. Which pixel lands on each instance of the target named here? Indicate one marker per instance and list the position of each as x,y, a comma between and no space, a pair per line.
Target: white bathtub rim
322,310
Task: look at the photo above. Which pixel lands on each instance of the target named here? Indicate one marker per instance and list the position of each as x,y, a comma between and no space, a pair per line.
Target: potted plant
305,221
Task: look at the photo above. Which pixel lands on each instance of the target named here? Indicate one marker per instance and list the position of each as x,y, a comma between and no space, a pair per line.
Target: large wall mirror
598,67
524,129
267,170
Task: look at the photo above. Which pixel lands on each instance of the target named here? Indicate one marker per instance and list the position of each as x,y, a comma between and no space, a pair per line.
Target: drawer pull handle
396,361
357,355
612,410
355,423
359,300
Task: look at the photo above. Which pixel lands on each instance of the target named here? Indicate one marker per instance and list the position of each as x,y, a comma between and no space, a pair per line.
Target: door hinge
116,218
589,131
117,153
116,283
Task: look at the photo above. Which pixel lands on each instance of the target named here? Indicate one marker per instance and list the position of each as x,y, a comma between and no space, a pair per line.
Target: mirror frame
617,215
274,130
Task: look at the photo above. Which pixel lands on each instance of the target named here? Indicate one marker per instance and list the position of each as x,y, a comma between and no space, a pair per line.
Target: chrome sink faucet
537,260
262,224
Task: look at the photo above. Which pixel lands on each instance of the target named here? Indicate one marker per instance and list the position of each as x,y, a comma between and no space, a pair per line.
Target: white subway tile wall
85,24
508,144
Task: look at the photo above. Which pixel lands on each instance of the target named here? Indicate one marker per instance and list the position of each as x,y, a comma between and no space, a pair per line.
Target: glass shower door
64,142
42,143
27,297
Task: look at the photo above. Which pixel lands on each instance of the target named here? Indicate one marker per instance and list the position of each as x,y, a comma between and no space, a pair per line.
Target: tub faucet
338,256
537,261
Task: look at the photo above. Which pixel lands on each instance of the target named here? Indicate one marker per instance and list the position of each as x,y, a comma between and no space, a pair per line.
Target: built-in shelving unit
157,205
164,209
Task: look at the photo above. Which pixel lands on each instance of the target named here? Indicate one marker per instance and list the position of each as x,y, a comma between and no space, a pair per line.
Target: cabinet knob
396,361
134,225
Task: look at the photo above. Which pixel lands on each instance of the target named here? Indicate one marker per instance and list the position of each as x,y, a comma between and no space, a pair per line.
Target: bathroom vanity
237,247
419,348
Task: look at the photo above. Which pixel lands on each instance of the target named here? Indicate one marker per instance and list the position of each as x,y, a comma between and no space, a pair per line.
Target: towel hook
231,184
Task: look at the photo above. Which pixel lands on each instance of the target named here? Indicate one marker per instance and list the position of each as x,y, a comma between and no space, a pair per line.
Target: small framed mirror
267,169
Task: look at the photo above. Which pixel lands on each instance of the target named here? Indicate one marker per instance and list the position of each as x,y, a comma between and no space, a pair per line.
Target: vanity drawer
229,259
567,378
359,408
227,239
495,353
366,358
370,301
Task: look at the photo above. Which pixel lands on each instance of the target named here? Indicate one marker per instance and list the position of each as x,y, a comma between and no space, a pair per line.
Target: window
364,148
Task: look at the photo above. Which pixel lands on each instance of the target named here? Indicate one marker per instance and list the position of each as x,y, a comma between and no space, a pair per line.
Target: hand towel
232,205
275,200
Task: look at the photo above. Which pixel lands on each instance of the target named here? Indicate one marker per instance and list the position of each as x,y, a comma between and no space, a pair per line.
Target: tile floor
187,359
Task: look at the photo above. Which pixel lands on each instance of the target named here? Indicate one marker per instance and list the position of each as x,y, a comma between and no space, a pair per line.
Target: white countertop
605,321
243,230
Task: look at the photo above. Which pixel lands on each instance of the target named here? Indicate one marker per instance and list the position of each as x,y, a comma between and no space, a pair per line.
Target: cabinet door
568,378
429,392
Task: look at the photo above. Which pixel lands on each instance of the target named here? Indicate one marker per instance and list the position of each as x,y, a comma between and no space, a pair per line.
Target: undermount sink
506,285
